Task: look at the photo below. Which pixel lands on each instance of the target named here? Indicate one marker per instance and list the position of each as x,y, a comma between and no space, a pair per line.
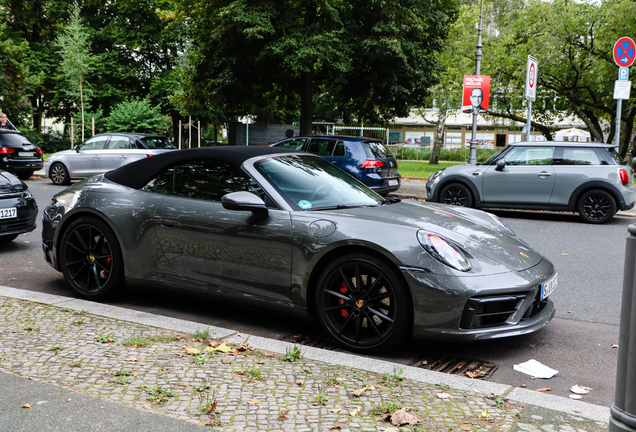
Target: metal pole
72,135
528,126
472,159
619,106
247,130
179,134
199,129
623,410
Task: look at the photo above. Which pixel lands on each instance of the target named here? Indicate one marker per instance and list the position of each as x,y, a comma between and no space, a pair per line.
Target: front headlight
27,194
443,251
435,176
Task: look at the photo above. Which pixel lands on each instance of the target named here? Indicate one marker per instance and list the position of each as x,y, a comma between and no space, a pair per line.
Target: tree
77,61
13,80
136,115
372,59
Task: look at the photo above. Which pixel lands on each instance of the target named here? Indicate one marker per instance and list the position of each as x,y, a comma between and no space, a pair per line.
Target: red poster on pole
476,93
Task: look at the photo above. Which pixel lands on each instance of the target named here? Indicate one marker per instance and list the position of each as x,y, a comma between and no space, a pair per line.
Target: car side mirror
245,201
500,165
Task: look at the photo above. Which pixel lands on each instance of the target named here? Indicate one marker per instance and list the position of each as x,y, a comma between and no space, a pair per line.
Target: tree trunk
306,102
438,137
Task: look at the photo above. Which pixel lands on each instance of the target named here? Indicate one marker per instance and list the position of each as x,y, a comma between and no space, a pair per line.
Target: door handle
477,173
122,156
169,223
544,173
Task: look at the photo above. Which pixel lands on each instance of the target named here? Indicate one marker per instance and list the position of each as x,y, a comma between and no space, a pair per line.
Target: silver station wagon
588,178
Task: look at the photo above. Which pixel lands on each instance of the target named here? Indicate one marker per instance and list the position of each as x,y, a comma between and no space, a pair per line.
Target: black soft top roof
138,174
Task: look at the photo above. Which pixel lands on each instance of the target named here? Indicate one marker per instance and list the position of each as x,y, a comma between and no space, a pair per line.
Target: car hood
62,153
471,230
10,183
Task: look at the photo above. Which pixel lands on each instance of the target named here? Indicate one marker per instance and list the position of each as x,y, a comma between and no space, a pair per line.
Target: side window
118,142
530,156
580,156
321,147
203,179
340,149
95,143
295,144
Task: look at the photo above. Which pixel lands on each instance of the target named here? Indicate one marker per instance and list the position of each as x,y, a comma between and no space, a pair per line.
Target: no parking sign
624,52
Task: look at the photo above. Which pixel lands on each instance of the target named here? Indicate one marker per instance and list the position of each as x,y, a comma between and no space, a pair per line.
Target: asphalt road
578,343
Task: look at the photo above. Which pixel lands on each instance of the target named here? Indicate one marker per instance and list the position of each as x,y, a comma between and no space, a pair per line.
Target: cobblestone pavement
232,387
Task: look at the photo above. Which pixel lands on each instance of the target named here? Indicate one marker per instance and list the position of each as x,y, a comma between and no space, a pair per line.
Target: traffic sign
531,78
622,89
623,74
624,52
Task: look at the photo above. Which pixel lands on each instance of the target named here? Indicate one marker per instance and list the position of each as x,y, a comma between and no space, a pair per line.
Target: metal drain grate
456,366
316,341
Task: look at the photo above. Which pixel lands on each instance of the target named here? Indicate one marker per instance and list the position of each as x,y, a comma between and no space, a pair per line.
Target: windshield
492,158
12,140
311,183
157,143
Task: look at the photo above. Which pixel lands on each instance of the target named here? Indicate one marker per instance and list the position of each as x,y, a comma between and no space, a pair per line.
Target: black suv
18,155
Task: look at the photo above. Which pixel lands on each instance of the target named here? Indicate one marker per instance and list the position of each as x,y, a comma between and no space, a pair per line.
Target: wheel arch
576,195
461,180
323,262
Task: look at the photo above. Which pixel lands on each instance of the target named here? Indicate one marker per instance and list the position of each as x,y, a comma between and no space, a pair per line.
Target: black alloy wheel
363,303
59,174
596,206
91,260
456,194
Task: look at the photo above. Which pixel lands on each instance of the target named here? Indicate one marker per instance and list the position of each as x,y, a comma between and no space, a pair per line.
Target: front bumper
27,212
480,307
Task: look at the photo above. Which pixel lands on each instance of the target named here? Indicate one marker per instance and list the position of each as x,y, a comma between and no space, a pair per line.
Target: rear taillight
6,150
38,150
624,177
371,164
148,155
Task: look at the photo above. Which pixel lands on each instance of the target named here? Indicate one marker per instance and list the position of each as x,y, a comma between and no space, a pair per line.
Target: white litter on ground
535,369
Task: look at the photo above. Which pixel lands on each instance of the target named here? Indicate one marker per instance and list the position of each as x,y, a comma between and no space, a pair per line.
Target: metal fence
361,130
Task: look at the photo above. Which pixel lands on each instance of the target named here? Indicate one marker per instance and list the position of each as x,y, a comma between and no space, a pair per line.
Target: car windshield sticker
305,205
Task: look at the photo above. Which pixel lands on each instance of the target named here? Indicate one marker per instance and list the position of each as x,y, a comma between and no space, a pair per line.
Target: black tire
596,206
8,238
456,194
24,175
59,174
91,260
365,321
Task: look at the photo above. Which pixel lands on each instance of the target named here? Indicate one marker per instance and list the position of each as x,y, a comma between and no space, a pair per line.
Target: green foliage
158,395
455,155
48,142
292,354
136,115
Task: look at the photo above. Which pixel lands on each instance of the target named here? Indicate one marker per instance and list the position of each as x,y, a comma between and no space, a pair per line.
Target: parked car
102,153
366,159
295,234
18,209
18,155
588,178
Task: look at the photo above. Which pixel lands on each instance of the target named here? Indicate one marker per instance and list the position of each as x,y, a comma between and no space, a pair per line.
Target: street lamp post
472,159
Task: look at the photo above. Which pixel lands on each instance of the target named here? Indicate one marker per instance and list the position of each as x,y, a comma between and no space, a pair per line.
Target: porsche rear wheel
363,303
91,259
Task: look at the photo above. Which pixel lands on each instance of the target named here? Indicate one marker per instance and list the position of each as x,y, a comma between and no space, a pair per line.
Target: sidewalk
83,366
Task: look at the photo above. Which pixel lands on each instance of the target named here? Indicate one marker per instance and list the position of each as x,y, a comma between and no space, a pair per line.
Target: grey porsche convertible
292,232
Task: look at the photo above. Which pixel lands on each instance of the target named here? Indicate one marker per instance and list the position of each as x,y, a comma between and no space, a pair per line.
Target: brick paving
242,389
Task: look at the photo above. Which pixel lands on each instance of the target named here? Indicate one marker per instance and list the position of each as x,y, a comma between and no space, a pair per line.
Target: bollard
623,410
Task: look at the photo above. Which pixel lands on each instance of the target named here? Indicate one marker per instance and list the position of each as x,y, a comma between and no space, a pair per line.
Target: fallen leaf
336,427
466,427
443,395
484,414
191,351
131,359
239,335
225,361
336,410
359,391
401,417
182,384
300,383
243,347
282,416
544,389
268,354
90,334
424,362
12,278
580,390
254,401
213,343
261,362
134,373
614,346
224,348
26,405
355,412
477,374
211,408
30,262
576,397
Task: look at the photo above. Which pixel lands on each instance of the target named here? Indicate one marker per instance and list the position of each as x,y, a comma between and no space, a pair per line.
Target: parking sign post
531,90
624,55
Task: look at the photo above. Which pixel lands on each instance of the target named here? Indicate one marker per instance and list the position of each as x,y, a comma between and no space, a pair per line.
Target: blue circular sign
624,52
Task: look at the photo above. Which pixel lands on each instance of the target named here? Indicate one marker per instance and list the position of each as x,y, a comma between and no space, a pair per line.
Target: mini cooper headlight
443,251
435,176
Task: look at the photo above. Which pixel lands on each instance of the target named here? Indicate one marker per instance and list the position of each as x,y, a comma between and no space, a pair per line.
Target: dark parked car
366,159
291,232
18,210
588,178
18,155
102,153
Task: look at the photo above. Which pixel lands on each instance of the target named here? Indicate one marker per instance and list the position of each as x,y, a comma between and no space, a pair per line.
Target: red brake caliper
343,290
108,263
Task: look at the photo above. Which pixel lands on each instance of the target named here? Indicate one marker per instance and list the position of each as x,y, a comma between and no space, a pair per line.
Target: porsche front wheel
363,303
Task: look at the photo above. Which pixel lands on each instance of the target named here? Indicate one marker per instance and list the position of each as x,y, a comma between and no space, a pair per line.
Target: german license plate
393,183
8,213
548,287
25,154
